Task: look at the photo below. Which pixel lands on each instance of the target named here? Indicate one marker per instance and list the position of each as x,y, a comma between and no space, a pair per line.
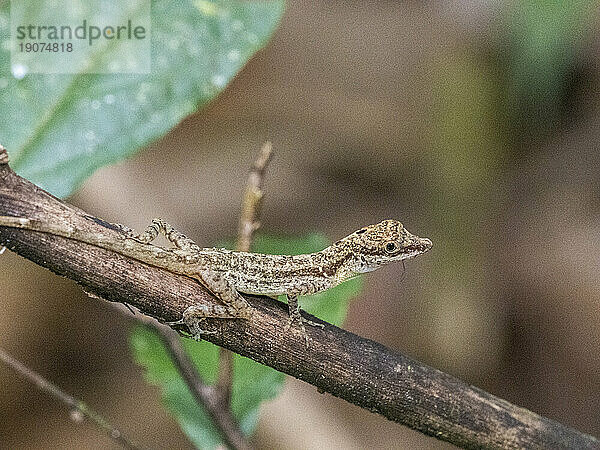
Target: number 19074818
38,47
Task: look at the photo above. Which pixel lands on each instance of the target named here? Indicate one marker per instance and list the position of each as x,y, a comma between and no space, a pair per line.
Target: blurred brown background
475,123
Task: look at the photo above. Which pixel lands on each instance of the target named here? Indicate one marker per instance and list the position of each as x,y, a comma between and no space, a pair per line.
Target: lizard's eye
391,247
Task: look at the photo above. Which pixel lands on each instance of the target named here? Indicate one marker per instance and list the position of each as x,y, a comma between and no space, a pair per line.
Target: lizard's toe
301,327
177,322
314,324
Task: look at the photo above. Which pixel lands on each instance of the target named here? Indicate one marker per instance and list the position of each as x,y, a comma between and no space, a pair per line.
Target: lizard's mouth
421,245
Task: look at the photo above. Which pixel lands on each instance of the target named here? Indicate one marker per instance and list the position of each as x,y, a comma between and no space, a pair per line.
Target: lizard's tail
35,225
117,242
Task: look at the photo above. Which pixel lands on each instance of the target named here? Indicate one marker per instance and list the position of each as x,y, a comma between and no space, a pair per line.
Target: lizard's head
375,245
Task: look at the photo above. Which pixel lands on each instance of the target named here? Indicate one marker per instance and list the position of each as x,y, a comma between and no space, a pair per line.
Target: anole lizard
226,273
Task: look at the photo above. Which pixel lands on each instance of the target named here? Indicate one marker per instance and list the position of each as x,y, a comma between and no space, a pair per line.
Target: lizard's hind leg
219,284
194,315
159,226
235,307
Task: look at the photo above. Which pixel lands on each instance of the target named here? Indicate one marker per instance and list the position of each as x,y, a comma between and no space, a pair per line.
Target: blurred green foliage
486,105
253,382
467,152
544,39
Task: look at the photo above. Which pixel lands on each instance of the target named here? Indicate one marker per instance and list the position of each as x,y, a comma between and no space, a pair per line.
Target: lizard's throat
335,263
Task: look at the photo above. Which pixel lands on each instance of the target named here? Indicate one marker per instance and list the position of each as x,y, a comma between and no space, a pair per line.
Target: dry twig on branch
249,223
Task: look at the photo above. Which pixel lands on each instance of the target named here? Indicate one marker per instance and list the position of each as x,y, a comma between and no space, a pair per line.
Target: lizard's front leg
159,226
235,307
295,316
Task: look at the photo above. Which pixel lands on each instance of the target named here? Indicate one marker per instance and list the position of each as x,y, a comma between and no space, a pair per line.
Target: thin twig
78,408
249,223
204,394
252,200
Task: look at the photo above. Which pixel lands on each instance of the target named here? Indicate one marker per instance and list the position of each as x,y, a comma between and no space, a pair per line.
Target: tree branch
356,369
78,408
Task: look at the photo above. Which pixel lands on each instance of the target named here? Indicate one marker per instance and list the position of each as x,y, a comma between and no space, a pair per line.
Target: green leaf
253,382
60,128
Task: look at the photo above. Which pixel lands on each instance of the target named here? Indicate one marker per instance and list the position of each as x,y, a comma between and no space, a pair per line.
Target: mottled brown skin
227,273
363,251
